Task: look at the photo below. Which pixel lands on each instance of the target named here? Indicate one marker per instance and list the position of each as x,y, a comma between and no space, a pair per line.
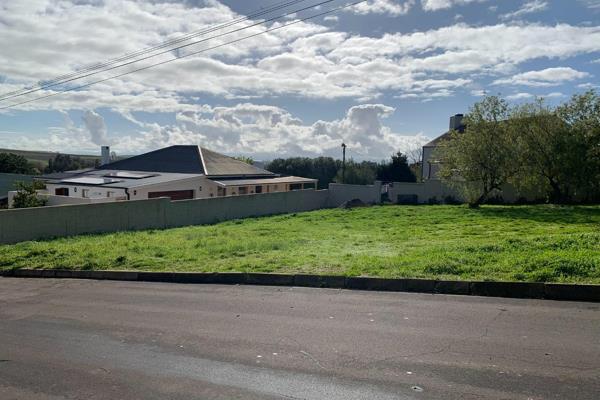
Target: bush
27,195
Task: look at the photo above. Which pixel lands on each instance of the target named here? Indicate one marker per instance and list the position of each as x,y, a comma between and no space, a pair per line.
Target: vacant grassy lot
524,243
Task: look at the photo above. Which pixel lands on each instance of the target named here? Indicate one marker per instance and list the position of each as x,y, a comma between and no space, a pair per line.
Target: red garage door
173,194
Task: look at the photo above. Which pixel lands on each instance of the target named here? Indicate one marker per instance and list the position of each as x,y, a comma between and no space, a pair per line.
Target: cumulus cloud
391,7
529,7
263,131
96,127
545,77
434,5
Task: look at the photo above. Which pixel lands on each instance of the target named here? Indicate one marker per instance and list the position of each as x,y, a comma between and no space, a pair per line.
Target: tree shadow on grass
545,213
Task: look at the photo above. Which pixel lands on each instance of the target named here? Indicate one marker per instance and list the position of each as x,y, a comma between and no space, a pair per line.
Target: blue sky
382,76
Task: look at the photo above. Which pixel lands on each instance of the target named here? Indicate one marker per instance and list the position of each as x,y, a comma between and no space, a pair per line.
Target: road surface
84,339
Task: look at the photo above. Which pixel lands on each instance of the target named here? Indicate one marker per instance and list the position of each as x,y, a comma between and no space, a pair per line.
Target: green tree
247,160
482,159
581,114
363,173
15,164
397,170
26,195
66,162
549,152
322,168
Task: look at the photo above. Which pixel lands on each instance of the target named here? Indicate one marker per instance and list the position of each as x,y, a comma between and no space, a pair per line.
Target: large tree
397,170
481,160
15,164
550,152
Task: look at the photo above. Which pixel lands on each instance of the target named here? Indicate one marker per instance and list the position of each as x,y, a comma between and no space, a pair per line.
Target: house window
110,194
135,192
75,189
309,185
85,193
199,188
221,191
243,190
61,191
258,189
295,186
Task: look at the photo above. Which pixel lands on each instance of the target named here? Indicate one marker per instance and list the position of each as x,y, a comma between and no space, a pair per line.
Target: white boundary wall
17,225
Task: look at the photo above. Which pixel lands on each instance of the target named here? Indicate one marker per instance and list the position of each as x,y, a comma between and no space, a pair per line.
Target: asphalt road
83,339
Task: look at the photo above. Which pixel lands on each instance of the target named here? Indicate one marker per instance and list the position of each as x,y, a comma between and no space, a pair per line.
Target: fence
18,225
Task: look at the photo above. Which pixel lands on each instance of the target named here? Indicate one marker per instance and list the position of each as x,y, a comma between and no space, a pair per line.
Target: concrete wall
435,189
339,193
426,191
55,221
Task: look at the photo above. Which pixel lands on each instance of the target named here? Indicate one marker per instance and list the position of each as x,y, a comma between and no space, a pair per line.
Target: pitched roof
438,140
216,164
187,159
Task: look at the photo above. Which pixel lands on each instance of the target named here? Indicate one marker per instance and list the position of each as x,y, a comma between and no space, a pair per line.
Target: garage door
173,194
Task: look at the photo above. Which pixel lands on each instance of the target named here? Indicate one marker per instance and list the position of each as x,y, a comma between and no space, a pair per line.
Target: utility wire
189,54
45,83
173,49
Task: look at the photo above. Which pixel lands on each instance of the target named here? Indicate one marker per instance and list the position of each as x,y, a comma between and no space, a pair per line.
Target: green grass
516,243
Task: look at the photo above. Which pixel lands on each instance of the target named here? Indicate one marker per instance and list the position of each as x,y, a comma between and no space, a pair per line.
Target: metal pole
343,162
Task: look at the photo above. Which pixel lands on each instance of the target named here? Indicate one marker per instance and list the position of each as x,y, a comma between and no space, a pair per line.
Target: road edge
523,290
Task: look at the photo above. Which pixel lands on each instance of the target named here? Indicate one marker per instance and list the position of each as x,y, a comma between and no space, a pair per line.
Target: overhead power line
196,52
61,78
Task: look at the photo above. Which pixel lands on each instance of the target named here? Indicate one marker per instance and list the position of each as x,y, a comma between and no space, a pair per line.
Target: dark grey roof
435,142
174,159
187,159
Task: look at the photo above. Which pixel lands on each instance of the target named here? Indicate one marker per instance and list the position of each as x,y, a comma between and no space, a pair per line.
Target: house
179,172
430,165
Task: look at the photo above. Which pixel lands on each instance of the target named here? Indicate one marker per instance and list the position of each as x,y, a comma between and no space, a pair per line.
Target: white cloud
593,4
310,61
262,131
331,18
545,77
529,7
96,127
434,5
519,96
391,7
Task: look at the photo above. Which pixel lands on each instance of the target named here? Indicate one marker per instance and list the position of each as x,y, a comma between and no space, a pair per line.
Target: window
75,189
309,185
258,189
221,191
85,193
295,186
243,189
199,188
61,191
135,192
110,194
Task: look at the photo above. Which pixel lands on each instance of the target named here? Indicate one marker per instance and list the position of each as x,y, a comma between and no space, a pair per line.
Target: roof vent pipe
105,151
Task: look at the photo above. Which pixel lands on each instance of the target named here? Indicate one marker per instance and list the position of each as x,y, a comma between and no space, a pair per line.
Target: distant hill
40,158
35,156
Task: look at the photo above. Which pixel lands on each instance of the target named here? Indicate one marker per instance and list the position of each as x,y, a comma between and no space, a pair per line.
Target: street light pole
343,162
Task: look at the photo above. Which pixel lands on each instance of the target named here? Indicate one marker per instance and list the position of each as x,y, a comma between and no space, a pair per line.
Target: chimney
456,122
105,155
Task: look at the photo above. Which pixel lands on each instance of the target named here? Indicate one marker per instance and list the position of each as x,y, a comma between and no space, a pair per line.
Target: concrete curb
529,290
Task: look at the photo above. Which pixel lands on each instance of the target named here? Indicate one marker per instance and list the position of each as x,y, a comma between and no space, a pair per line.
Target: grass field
517,243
